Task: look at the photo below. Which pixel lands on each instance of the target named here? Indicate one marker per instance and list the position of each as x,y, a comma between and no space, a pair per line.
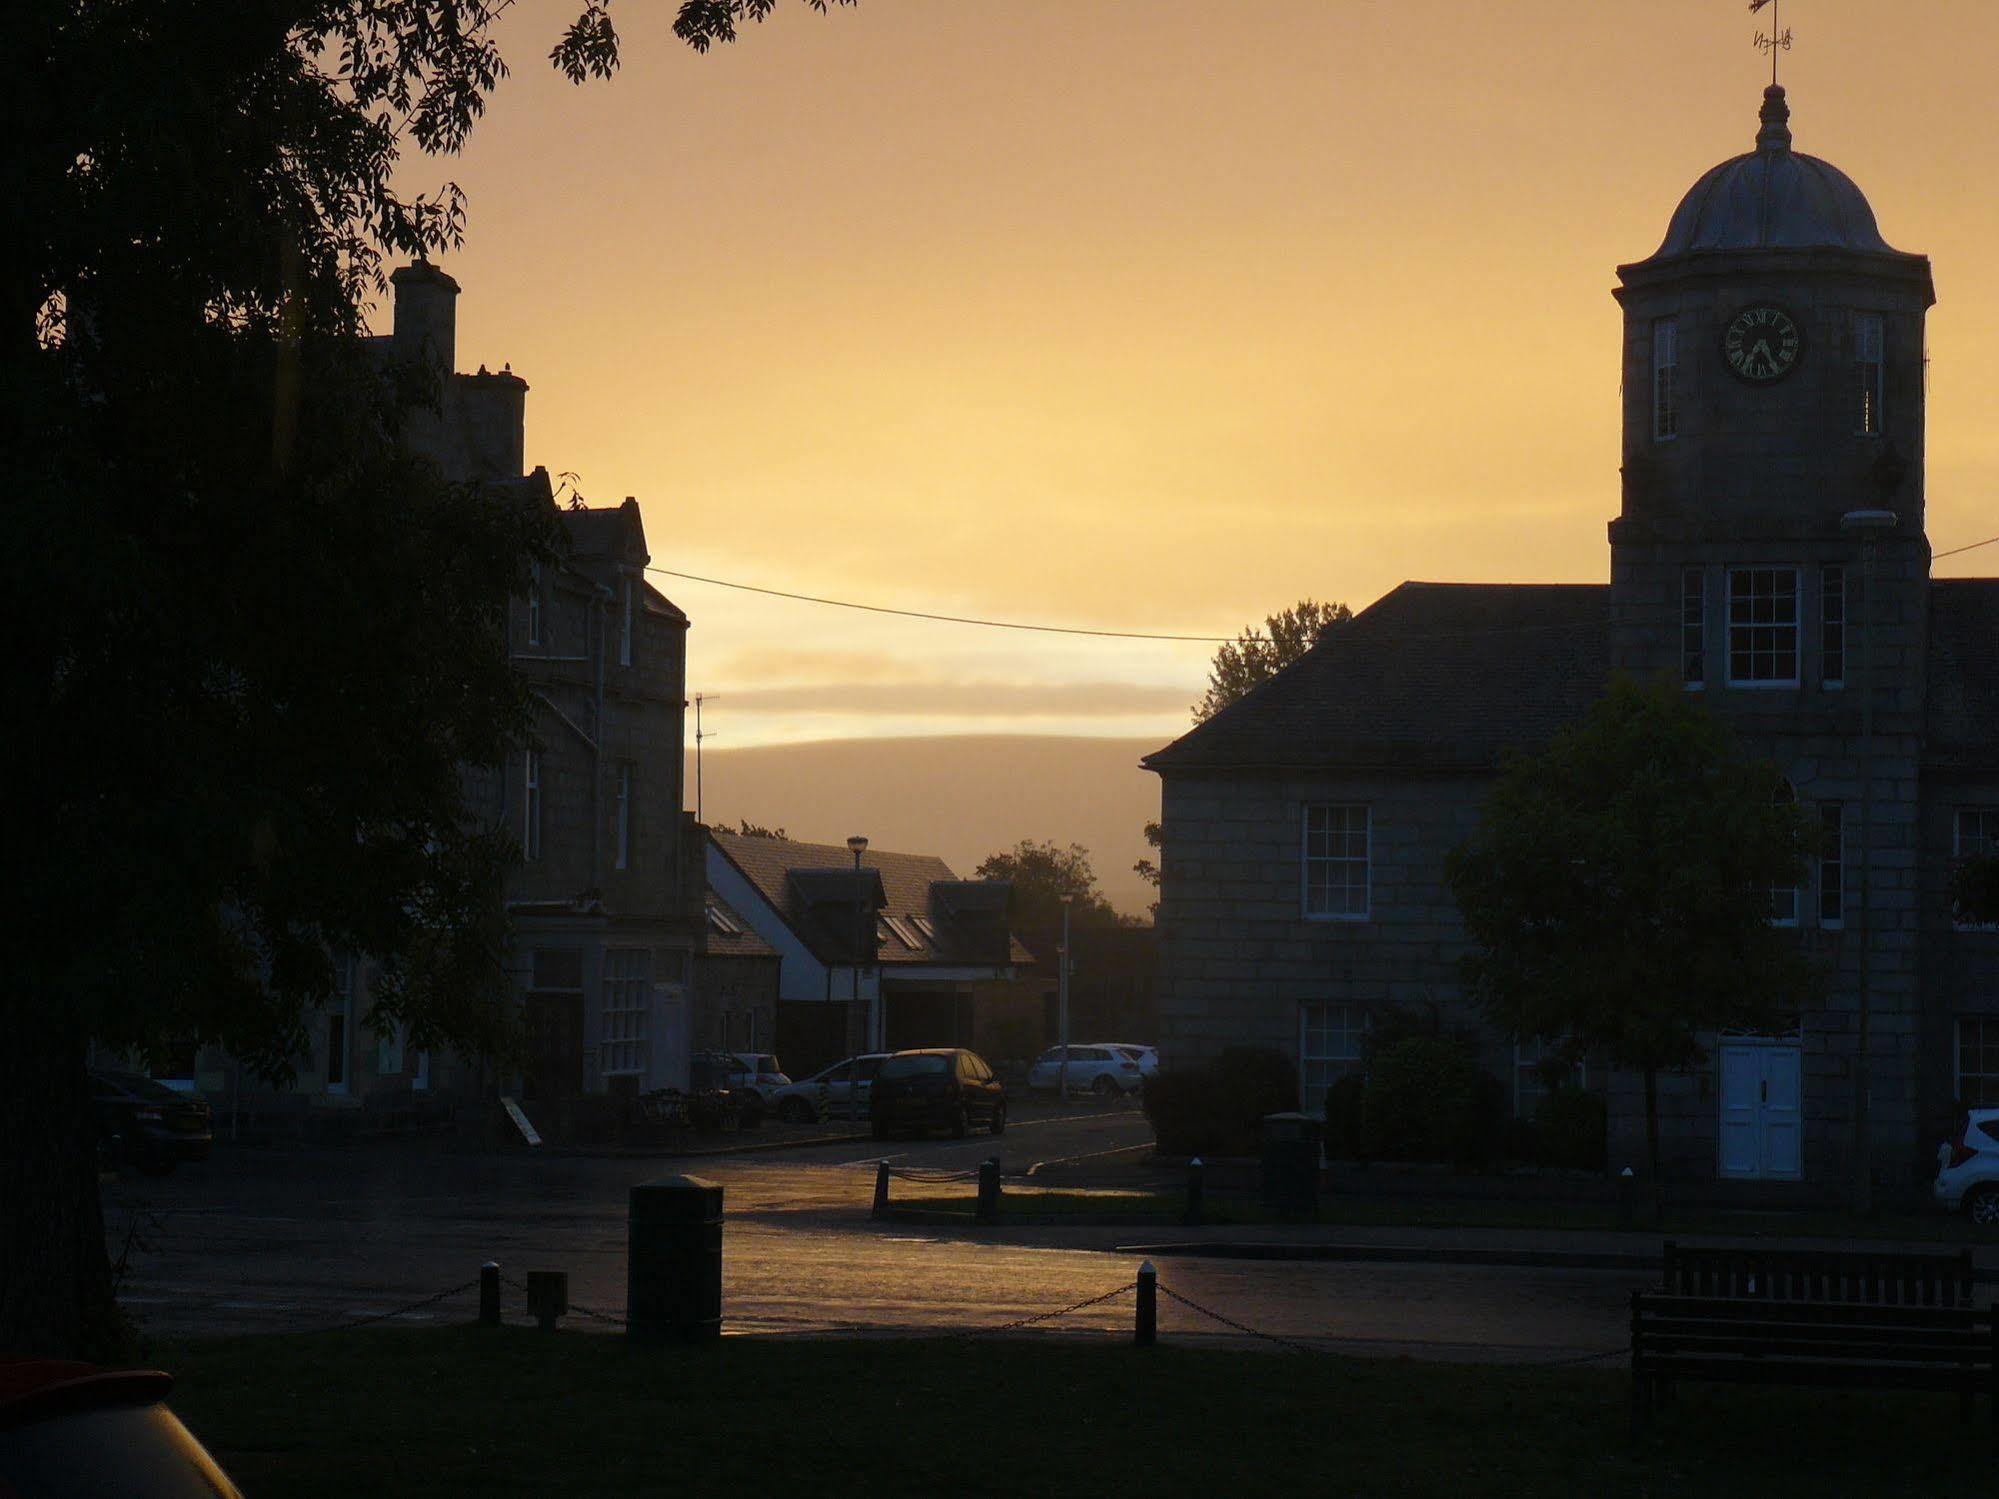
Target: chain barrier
1039,1317
615,1319
1242,1327
401,1311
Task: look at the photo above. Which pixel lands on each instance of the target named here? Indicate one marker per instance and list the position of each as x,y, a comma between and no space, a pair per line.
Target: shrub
1426,1099
1574,1129
1216,1109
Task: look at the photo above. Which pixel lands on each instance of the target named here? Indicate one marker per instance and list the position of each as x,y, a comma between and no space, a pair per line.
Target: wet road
256,1241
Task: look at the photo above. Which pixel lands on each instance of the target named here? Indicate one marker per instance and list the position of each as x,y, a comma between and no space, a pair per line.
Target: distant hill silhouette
960,796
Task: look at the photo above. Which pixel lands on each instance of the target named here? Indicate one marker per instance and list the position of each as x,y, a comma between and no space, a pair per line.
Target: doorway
1761,1119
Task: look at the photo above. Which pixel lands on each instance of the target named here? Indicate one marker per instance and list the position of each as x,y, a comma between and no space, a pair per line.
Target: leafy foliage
1042,874
750,829
1218,1108
1254,656
1618,888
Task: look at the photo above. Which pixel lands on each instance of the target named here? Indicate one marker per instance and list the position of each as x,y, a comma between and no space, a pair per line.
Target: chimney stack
426,324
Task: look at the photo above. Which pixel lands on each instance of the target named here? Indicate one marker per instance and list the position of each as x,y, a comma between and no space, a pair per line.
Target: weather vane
1776,39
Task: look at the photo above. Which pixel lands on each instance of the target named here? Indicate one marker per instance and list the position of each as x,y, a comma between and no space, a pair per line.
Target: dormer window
1665,379
1868,367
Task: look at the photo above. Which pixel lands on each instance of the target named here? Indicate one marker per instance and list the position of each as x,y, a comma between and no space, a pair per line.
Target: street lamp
1062,992
1869,526
857,845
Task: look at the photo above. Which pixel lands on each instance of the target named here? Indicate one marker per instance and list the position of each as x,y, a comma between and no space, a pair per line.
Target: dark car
147,1124
936,1088
73,1431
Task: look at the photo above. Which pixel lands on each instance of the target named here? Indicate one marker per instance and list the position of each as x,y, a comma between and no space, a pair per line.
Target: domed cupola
1774,198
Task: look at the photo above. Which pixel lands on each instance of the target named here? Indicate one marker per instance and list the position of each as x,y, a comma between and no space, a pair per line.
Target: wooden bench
1867,1277
1831,1343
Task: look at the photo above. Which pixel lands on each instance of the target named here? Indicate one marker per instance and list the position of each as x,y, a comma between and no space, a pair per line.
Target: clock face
1762,344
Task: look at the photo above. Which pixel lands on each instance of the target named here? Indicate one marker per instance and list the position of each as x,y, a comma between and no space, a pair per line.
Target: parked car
146,1124
800,1102
73,1431
937,1088
1147,1057
1107,1071
1968,1169
748,1080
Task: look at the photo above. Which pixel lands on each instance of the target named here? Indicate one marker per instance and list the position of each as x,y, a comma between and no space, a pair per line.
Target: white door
1760,1111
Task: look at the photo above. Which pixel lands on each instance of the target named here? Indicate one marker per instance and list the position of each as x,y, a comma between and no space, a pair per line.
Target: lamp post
857,845
1062,993
1868,525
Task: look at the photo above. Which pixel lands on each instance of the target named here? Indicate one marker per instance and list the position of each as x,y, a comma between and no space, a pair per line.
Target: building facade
1770,554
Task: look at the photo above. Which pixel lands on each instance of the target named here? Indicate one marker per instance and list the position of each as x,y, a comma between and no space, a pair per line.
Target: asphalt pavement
264,1240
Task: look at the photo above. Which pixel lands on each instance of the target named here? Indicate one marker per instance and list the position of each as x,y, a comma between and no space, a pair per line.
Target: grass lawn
472,1411
1141,1205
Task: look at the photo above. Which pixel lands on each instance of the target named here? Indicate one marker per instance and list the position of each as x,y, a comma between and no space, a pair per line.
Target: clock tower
1770,556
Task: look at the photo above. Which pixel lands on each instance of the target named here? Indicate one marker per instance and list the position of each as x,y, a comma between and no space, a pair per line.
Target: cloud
987,699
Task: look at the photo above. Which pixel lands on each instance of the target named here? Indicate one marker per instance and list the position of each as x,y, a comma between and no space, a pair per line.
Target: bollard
489,1294
1148,1305
989,1189
673,1274
1196,1191
1627,1185
881,1189
548,1296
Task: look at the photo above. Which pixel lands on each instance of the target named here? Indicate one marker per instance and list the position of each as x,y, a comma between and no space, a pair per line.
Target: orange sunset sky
1149,314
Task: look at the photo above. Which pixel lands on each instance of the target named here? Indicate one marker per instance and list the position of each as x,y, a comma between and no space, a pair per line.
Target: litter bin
673,1289
1291,1163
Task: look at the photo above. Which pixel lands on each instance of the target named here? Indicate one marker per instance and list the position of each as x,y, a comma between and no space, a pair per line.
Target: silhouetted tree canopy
1042,874
1260,653
1618,889
750,829
257,648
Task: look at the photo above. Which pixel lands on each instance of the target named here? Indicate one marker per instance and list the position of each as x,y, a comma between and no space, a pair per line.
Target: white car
1968,1169
1147,1057
830,1088
1107,1071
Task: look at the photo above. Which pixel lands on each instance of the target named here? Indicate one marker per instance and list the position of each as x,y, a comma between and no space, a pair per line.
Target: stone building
606,900
1773,364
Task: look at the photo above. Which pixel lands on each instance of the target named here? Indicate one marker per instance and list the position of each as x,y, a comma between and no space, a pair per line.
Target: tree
750,829
1618,889
1254,657
1042,874
258,653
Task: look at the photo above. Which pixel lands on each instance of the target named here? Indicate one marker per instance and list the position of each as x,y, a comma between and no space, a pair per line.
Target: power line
1939,556
949,619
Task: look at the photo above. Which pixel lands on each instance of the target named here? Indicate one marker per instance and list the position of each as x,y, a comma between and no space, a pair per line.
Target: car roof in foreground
34,1389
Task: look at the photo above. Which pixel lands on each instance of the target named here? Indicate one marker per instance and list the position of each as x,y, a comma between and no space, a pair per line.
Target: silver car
831,1092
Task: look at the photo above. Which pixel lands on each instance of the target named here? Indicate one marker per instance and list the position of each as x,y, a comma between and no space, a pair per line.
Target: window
1978,1061
1763,626
923,925
723,922
1693,626
626,1021
624,817
1665,379
1867,368
1977,835
1784,898
900,928
1328,1048
1832,866
625,592
1336,852
346,974
531,807
534,603
1832,625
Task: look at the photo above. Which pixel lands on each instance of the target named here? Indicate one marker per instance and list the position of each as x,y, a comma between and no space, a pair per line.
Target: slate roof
905,886
1961,727
741,943
1445,676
